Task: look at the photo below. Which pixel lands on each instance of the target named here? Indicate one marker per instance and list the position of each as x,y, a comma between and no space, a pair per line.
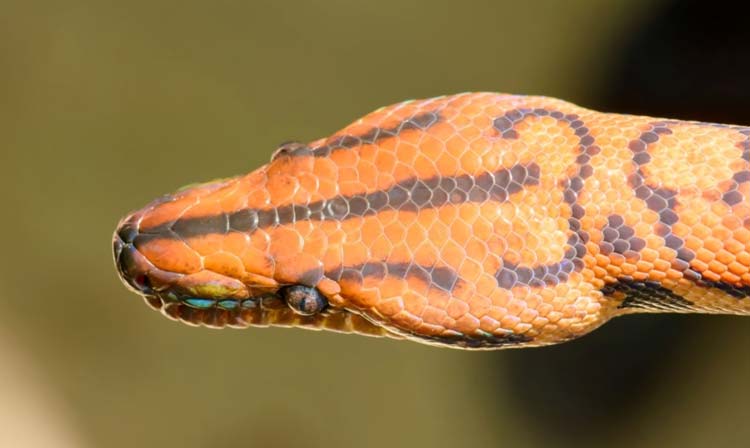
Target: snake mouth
225,302
265,310
259,311
205,298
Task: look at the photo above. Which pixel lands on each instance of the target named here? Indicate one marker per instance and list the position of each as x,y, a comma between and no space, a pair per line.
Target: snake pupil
304,300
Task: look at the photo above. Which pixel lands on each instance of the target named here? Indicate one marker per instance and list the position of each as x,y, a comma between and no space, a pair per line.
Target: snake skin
477,220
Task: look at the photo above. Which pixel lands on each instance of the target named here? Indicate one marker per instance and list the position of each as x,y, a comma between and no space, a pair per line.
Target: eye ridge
304,300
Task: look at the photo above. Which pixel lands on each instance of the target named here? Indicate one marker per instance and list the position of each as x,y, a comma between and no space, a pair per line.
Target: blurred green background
106,105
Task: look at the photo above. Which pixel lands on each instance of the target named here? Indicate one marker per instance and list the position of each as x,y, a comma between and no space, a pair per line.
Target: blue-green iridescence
199,303
228,304
249,303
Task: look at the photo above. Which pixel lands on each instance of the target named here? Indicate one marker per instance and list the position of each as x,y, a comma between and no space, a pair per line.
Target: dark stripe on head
647,295
409,195
421,121
442,277
511,274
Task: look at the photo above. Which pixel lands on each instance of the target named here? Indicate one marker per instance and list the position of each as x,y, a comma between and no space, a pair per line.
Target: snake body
477,220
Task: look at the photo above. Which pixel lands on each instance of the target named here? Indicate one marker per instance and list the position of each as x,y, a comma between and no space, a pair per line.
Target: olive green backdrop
105,105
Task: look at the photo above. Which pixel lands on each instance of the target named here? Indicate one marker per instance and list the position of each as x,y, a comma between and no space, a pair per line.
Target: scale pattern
477,220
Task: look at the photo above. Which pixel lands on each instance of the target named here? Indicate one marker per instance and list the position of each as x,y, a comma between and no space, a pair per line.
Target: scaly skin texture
477,220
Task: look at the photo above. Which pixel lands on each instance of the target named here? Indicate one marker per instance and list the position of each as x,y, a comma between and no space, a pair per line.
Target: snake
475,221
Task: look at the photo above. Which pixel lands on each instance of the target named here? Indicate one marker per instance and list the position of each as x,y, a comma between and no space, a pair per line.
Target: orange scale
738,268
415,305
225,264
438,231
426,255
479,306
467,324
206,244
309,185
372,228
368,175
717,267
390,307
403,171
166,212
380,247
710,276
259,198
482,227
744,258
404,319
470,270
448,324
285,240
712,244
415,235
384,159
510,321
433,315
743,235
172,256
452,251
332,258
395,231
474,135
355,254
442,131
731,278
232,202
368,297
724,257
315,246
257,262
235,242
283,188
430,329
488,324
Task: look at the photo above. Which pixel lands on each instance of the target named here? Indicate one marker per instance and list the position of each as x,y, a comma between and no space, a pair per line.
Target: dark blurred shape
689,60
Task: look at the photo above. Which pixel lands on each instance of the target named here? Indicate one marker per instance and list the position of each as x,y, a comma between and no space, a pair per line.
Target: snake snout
132,267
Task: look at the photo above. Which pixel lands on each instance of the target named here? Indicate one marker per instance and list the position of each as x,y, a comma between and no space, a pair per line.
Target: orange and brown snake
477,220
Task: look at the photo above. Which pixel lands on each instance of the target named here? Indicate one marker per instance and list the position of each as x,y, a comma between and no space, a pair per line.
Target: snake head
473,220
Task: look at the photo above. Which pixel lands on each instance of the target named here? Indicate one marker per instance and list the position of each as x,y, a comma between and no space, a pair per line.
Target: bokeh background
105,105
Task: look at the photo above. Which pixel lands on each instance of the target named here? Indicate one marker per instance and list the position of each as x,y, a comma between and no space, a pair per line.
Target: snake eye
304,300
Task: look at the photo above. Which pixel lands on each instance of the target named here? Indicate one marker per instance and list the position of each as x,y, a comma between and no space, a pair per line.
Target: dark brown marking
511,274
738,292
483,341
647,295
661,200
733,196
421,121
409,195
442,277
620,238
745,145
